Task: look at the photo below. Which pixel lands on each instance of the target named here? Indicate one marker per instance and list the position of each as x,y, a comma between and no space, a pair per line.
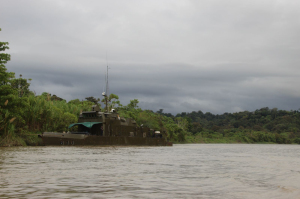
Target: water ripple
182,171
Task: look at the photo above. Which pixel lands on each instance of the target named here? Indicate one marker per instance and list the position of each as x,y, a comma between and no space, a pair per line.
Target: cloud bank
180,56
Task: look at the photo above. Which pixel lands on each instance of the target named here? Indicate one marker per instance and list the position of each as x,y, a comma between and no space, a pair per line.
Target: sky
177,55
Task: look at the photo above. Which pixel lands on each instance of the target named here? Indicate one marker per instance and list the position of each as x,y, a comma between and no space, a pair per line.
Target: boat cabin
99,123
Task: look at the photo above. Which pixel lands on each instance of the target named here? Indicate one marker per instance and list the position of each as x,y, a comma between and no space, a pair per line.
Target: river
182,171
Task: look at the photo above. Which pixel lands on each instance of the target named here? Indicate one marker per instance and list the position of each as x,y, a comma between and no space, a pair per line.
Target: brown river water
182,171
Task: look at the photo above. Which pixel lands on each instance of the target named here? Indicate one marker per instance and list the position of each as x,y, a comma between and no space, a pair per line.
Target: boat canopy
86,124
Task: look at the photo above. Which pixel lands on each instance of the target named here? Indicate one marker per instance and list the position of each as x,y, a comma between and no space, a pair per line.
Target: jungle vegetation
23,115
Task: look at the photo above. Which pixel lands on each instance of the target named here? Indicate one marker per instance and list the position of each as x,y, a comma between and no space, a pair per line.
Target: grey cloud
216,56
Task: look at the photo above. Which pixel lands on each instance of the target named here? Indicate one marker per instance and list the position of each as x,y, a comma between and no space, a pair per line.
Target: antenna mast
105,94
107,81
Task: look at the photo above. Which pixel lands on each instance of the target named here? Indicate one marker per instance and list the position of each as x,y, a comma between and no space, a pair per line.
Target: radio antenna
107,87
105,94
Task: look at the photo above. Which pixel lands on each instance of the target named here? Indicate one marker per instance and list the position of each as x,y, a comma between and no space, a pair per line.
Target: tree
160,111
92,99
182,123
196,128
133,104
6,91
274,113
112,100
22,85
7,95
56,98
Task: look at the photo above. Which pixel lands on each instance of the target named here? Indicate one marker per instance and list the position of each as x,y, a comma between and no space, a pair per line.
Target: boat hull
59,139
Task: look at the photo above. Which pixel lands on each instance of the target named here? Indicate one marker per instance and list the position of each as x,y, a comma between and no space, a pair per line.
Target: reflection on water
181,171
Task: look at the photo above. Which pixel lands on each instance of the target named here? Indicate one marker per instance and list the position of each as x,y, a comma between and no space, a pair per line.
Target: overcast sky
211,55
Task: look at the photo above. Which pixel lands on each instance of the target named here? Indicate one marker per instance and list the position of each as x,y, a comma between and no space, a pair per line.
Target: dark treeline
261,125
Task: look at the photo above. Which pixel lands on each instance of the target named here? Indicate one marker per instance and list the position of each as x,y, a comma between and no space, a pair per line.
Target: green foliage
8,102
263,125
172,130
82,105
149,119
182,123
111,102
42,114
297,140
6,122
7,92
92,99
21,85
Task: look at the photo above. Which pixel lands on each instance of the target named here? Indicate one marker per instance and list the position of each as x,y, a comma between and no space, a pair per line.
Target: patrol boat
105,128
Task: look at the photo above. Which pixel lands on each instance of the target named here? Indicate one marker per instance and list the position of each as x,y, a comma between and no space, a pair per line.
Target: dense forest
23,115
262,125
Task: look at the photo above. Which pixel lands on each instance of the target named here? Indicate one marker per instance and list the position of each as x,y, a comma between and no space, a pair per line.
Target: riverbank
22,140
197,140
33,140
242,137
254,137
